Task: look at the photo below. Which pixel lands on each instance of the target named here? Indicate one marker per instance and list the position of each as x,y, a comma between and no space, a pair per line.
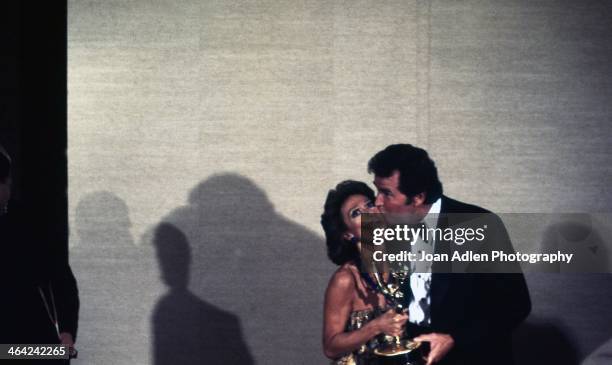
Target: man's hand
440,344
67,339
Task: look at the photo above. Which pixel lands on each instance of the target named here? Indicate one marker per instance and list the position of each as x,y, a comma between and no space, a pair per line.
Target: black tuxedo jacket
478,309
29,261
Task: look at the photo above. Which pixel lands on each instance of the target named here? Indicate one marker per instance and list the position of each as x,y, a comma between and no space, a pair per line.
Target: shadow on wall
569,320
570,303
601,356
188,330
536,342
102,223
110,271
247,262
582,235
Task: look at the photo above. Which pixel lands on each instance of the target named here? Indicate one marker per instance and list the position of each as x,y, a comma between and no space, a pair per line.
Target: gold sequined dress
364,355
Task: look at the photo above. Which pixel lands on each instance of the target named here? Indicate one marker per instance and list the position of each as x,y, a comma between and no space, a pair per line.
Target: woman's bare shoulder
344,277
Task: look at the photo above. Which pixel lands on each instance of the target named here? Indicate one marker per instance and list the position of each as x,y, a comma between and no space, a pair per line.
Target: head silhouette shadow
251,261
188,330
111,275
174,256
579,234
102,224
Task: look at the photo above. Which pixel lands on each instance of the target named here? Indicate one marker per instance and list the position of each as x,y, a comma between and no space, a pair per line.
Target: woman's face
351,211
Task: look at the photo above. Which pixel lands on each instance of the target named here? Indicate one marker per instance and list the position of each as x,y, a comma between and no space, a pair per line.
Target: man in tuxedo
40,298
468,317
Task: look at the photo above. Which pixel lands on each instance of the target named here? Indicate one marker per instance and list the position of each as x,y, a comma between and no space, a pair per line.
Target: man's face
5,192
389,198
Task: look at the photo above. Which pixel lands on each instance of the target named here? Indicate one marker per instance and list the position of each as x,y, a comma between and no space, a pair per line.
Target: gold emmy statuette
395,346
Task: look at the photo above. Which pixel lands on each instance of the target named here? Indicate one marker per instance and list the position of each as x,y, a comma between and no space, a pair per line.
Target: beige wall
184,111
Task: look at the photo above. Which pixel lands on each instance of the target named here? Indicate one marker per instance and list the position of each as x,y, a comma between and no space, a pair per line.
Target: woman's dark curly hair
340,250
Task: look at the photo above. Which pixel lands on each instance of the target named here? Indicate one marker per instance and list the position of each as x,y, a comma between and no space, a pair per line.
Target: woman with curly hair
355,314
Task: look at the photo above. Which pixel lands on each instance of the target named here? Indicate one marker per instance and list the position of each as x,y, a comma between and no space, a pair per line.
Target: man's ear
419,199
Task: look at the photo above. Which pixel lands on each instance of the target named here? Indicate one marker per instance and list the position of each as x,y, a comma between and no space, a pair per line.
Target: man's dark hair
417,172
340,250
5,165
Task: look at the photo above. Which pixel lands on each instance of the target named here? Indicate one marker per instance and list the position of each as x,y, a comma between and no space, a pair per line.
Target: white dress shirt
420,279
